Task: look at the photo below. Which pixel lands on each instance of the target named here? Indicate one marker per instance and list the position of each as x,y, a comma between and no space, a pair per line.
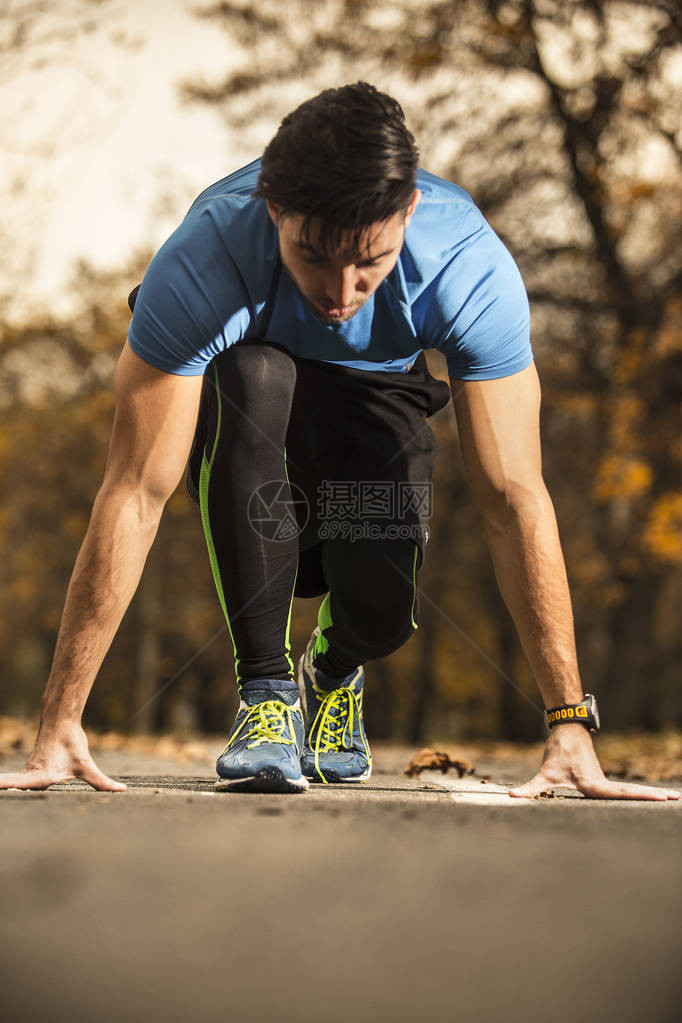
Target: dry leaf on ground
436,760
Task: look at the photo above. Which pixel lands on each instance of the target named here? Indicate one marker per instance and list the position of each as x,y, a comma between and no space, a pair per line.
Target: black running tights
371,608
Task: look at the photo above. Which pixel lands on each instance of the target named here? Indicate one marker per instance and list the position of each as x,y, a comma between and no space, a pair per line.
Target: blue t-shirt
455,287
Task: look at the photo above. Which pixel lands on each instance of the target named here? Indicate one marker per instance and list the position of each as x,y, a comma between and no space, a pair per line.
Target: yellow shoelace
330,729
268,722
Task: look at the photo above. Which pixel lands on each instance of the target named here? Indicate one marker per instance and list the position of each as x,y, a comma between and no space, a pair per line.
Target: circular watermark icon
278,510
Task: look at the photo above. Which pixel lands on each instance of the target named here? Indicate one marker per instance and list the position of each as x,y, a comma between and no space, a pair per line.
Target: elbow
143,503
149,506
504,506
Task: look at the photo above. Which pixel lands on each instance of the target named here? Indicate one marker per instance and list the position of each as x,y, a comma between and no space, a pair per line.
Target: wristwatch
584,713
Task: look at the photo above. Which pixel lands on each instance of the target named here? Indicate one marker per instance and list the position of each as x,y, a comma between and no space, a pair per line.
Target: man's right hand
60,754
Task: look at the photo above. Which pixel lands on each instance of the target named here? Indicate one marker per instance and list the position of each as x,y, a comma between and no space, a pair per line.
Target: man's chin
335,320
334,317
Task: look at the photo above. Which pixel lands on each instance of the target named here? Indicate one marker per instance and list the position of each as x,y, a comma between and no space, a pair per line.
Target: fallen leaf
436,760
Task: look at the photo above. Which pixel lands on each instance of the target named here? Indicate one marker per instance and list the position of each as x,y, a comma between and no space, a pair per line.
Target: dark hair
345,157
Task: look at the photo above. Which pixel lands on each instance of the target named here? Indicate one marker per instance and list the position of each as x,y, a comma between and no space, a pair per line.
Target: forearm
529,566
105,577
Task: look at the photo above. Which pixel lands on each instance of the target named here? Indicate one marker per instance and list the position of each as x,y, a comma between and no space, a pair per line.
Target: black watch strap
583,713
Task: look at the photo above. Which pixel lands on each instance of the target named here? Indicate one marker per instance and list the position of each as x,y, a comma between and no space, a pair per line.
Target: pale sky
103,144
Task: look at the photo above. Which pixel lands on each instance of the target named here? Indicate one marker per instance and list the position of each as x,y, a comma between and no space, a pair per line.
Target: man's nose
342,286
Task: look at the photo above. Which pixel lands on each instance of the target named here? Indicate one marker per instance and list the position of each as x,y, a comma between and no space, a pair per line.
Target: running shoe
263,751
335,748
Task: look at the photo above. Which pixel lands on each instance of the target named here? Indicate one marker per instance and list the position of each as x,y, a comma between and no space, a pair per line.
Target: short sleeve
181,319
476,310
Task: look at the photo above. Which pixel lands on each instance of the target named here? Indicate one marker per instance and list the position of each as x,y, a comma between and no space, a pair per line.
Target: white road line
474,792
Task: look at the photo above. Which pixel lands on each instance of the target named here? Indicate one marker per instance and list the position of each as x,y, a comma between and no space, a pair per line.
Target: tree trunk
380,701
629,690
425,678
148,662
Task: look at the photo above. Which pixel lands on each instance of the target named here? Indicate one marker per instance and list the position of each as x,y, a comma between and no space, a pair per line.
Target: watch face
592,707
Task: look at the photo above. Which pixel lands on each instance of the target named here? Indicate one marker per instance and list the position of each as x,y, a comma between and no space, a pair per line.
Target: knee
377,593
373,643
255,384
381,629
264,368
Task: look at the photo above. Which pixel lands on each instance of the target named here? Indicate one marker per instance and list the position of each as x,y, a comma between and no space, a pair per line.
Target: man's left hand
570,762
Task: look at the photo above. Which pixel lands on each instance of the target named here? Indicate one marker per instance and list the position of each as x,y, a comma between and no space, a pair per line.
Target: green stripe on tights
204,484
414,586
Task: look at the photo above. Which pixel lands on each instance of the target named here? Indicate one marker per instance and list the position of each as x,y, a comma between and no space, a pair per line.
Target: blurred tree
55,418
50,70
33,33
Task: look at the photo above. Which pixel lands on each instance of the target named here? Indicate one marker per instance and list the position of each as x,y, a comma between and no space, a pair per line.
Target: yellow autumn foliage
622,476
663,532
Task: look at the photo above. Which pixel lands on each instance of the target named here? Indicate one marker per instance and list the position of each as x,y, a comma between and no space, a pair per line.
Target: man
303,288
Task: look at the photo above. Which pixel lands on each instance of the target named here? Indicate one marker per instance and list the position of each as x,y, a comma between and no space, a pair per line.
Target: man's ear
274,211
416,196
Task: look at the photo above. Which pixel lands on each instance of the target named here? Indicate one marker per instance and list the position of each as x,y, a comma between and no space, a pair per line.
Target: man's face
336,284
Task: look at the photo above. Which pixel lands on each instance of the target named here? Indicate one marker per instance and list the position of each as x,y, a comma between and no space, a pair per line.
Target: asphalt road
401,900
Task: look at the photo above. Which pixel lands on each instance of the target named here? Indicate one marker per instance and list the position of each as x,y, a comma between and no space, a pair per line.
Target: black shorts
351,428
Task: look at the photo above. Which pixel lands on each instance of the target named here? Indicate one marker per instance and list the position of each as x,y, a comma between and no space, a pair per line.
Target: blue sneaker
263,752
336,748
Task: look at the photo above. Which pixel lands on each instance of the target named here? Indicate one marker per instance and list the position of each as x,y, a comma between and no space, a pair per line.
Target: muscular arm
153,428
498,422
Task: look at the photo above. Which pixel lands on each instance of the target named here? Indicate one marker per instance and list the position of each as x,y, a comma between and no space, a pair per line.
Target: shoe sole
268,779
332,778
